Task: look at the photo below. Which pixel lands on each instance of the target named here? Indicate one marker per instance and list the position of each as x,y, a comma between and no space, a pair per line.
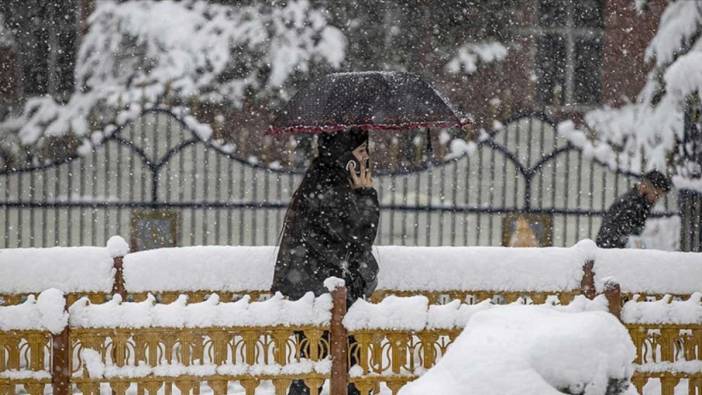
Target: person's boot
298,387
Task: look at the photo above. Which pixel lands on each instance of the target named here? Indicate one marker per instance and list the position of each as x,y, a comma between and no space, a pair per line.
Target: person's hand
360,181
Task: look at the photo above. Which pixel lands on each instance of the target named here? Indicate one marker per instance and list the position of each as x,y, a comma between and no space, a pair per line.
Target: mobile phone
348,160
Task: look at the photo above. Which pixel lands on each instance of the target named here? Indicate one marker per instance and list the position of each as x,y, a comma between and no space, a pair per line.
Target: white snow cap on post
44,313
117,246
332,283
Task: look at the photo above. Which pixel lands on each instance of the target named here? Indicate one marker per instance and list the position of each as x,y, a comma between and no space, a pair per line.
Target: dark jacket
627,216
329,231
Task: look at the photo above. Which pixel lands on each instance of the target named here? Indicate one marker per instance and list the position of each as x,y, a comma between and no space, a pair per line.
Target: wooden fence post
60,362
118,284
587,284
339,344
613,293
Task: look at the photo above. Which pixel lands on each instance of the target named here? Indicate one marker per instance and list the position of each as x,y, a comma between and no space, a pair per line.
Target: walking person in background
627,216
330,226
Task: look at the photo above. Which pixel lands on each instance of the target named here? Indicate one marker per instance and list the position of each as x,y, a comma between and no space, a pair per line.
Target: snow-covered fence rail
153,347
247,345
667,335
440,273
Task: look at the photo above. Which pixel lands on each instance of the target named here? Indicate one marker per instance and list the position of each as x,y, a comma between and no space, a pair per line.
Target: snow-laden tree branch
645,134
137,54
5,33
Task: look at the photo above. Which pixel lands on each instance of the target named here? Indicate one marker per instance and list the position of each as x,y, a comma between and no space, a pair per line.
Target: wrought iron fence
156,180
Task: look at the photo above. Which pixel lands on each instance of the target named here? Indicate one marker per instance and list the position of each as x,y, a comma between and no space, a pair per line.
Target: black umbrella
371,100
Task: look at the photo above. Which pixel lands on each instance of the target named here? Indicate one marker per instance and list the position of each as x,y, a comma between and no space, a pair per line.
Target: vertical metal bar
504,167
442,201
218,197
416,212
480,194
121,152
6,237
405,214
454,194
230,190
57,181
181,182
205,193
491,194
108,161
592,197
69,198
81,213
255,205
604,191
393,188
528,162
266,199
193,189
542,137
279,199
44,210
32,187
430,203
466,200
143,143
94,192
242,191
166,167
20,210
566,196
578,197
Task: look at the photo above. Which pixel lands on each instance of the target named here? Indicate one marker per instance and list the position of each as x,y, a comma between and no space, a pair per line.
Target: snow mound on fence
414,312
664,311
480,268
219,268
532,350
44,313
649,271
70,269
240,269
308,310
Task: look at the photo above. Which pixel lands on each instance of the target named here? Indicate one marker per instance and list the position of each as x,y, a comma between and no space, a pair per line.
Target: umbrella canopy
372,100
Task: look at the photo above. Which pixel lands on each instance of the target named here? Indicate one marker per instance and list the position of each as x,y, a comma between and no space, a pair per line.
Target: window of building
45,44
568,64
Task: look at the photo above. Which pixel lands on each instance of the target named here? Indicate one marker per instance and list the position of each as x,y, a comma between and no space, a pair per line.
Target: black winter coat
329,231
627,216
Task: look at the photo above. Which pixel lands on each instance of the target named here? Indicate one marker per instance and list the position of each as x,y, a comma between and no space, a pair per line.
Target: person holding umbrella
332,218
331,222
330,226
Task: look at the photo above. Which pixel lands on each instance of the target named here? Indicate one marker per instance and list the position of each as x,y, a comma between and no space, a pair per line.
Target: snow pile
117,246
649,271
664,311
132,58
70,269
415,314
481,268
213,268
532,350
308,310
44,313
